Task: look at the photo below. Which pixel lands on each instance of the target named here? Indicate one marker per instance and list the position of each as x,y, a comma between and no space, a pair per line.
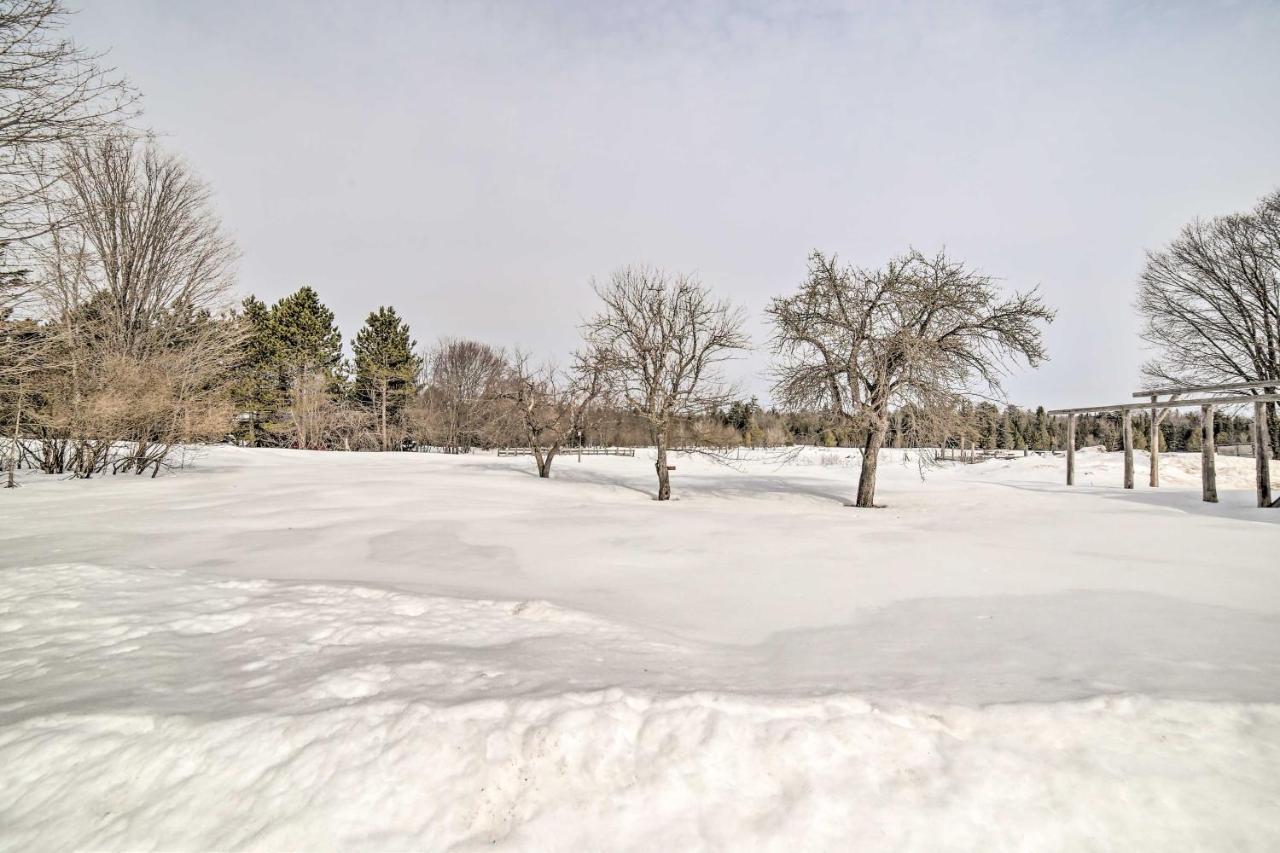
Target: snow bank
627,771
157,710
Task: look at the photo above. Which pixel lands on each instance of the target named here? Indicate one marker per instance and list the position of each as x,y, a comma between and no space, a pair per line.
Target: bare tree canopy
152,243
1211,301
462,381
919,331
660,341
548,405
51,92
134,282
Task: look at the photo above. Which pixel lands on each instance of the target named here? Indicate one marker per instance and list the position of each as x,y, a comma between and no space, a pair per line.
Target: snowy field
279,649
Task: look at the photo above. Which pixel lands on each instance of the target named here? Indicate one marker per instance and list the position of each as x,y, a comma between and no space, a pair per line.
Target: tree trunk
384,416
1273,426
545,460
664,476
870,457
17,438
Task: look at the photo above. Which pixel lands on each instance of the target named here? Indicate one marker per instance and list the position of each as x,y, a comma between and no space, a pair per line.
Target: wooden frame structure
1224,395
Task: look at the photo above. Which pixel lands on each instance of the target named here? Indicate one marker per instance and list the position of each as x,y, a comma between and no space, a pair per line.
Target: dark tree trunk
870,458
664,475
544,461
1273,426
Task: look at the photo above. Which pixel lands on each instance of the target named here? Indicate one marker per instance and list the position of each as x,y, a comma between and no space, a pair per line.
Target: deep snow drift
280,649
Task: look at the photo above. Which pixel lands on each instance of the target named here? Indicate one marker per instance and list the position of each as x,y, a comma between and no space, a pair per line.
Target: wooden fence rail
571,451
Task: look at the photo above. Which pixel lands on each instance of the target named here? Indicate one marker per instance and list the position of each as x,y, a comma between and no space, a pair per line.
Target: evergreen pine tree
386,368
304,338
1006,436
1040,438
988,431
306,349
257,392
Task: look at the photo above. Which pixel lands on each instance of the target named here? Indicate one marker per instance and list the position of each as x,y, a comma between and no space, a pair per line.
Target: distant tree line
120,340
986,426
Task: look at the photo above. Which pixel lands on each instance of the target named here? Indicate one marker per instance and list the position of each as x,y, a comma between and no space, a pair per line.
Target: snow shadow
729,484
1233,504
1045,648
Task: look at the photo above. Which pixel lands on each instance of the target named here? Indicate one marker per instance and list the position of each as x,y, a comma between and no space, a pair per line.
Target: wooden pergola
1173,398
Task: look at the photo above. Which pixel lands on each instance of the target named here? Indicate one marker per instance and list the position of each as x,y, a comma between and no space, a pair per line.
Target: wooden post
1127,430
1262,453
1208,471
1155,444
1071,450
963,441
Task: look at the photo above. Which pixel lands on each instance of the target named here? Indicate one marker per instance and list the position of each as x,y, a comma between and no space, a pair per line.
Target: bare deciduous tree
660,340
134,277
51,93
1211,300
919,331
548,405
462,378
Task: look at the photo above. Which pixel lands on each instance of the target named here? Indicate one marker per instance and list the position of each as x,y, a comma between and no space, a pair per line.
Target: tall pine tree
306,348
257,390
303,336
386,368
1040,438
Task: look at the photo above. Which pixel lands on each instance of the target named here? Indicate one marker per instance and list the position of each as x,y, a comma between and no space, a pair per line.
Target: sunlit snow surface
274,649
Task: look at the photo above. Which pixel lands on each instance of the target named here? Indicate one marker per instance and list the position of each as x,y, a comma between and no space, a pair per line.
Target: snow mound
628,771
152,709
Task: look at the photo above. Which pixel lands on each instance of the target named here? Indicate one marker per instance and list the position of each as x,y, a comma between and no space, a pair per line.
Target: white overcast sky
476,164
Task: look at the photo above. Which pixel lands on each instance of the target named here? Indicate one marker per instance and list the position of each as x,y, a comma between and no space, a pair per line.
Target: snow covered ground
278,649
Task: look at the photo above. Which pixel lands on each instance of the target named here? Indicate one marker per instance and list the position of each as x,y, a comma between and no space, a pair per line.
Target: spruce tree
386,368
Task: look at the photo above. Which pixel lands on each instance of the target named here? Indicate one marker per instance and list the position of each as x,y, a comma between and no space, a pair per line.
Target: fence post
1071,450
1208,469
1262,454
1127,429
1155,444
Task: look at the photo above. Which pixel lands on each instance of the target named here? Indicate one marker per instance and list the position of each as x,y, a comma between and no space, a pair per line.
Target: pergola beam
1234,400
1229,386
